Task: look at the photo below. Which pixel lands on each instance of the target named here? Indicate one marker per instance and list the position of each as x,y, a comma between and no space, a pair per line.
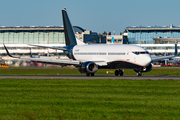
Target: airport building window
21,38
1,37
32,37
26,37
136,34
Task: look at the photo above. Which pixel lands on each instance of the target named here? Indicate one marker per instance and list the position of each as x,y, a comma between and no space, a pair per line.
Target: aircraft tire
116,72
121,72
92,74
139,74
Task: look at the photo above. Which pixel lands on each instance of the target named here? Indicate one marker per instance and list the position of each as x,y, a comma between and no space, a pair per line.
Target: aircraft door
134,59
128,55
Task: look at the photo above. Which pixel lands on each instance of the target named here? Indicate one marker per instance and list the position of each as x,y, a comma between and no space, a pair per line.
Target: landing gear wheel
121,72
92,74
89,74
139,74
116,72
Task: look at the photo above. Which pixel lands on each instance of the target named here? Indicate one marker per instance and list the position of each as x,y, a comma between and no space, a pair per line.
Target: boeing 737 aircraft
89,58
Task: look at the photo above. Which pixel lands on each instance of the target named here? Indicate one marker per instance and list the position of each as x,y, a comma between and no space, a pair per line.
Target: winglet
176,50
8,52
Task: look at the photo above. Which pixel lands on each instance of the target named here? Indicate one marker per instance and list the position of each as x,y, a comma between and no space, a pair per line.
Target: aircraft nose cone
148,60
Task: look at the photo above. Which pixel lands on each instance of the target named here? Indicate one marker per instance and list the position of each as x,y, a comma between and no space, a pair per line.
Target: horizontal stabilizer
57,48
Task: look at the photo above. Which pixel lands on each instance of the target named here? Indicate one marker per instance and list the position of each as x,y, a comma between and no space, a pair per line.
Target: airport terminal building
31,35
17,39
157,40
153,34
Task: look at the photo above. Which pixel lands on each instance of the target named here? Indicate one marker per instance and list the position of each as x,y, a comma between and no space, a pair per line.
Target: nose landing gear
139,73
119,72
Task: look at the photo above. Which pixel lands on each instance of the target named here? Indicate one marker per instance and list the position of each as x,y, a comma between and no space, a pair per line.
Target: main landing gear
89,74
119,72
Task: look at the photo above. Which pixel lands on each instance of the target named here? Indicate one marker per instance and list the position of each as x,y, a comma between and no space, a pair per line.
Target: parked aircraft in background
89,58
174,61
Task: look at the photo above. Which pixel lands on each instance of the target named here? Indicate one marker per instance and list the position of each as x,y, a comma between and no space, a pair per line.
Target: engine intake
88,67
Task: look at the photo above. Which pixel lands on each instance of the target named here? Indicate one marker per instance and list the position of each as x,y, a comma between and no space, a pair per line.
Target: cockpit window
137,53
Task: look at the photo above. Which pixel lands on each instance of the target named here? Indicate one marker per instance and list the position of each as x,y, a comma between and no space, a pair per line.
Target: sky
94,15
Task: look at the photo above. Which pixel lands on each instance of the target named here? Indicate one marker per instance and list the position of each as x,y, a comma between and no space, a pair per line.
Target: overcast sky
94,15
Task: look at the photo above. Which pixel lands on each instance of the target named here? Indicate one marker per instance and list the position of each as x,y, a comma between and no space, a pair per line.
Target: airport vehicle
3,65
89,58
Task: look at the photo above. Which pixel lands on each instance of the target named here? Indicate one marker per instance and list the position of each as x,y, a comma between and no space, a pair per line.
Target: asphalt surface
84,77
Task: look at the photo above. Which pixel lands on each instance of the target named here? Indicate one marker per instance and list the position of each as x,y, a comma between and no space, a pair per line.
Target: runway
84,77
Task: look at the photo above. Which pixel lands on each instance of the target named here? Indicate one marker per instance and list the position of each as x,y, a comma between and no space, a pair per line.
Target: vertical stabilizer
68,30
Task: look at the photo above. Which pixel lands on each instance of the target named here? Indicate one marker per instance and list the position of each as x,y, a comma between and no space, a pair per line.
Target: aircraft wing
155,59
101,62
47,60
57,48
52,60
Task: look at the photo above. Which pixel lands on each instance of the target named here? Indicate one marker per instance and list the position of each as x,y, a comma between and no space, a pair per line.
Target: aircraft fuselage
123,56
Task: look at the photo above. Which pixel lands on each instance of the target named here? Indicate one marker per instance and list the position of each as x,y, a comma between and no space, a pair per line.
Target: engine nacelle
146,69
88,67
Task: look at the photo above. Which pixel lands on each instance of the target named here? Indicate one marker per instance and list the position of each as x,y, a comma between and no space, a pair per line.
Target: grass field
62,71
89,99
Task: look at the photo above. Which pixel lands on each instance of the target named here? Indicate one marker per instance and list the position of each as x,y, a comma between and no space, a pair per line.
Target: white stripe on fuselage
110,53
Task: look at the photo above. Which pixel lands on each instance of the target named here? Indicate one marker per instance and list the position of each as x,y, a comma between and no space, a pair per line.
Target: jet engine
88,67
146,69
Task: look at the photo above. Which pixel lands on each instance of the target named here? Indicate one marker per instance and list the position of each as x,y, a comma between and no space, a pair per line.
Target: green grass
68,71
89,99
